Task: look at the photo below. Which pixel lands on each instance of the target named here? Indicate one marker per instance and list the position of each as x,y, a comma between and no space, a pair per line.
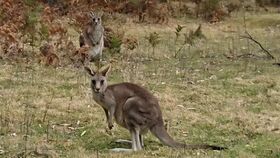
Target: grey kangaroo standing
135,109
93,36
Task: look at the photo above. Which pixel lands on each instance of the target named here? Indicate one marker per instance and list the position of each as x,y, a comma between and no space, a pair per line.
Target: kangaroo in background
93,36
135,109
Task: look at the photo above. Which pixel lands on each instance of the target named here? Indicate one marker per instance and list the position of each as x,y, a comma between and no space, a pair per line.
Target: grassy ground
207,94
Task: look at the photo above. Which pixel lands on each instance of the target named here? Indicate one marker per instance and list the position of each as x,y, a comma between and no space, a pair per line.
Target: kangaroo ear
105,71
89,71
91,14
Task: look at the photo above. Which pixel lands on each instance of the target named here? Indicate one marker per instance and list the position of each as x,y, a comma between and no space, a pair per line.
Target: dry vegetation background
215,83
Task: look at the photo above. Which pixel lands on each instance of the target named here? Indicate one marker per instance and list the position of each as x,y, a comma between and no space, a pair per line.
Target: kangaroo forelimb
109,118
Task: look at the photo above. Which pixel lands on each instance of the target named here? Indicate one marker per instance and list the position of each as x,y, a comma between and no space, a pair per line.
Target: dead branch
277,64
248,36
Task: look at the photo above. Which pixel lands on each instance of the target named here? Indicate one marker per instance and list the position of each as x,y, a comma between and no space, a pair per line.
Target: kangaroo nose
97,89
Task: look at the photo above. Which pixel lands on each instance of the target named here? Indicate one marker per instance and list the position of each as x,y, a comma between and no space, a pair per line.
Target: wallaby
135,109
93,36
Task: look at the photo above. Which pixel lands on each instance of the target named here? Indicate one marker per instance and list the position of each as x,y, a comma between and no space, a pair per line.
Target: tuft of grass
153,39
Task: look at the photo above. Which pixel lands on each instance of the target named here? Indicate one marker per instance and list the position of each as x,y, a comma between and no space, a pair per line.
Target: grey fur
135,109
93,36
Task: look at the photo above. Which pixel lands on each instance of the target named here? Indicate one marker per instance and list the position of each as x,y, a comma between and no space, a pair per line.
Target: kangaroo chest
100,99
108,102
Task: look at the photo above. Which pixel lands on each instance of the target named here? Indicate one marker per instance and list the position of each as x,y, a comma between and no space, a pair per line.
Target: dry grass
205,97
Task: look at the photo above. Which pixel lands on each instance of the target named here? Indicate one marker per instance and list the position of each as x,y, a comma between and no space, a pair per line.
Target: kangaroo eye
93,19
93,82
98,19
102,81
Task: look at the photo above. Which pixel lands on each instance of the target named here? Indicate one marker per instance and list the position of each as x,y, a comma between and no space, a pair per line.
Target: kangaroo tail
160,132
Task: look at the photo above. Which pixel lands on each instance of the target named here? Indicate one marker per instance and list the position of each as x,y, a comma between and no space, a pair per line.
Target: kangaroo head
95,18
98,79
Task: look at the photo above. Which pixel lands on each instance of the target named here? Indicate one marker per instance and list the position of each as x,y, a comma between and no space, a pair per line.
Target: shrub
233,5
116,43
153,40
262,3
209,7
113,40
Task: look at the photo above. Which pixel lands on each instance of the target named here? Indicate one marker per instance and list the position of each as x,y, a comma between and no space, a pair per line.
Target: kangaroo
93,36
135,109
